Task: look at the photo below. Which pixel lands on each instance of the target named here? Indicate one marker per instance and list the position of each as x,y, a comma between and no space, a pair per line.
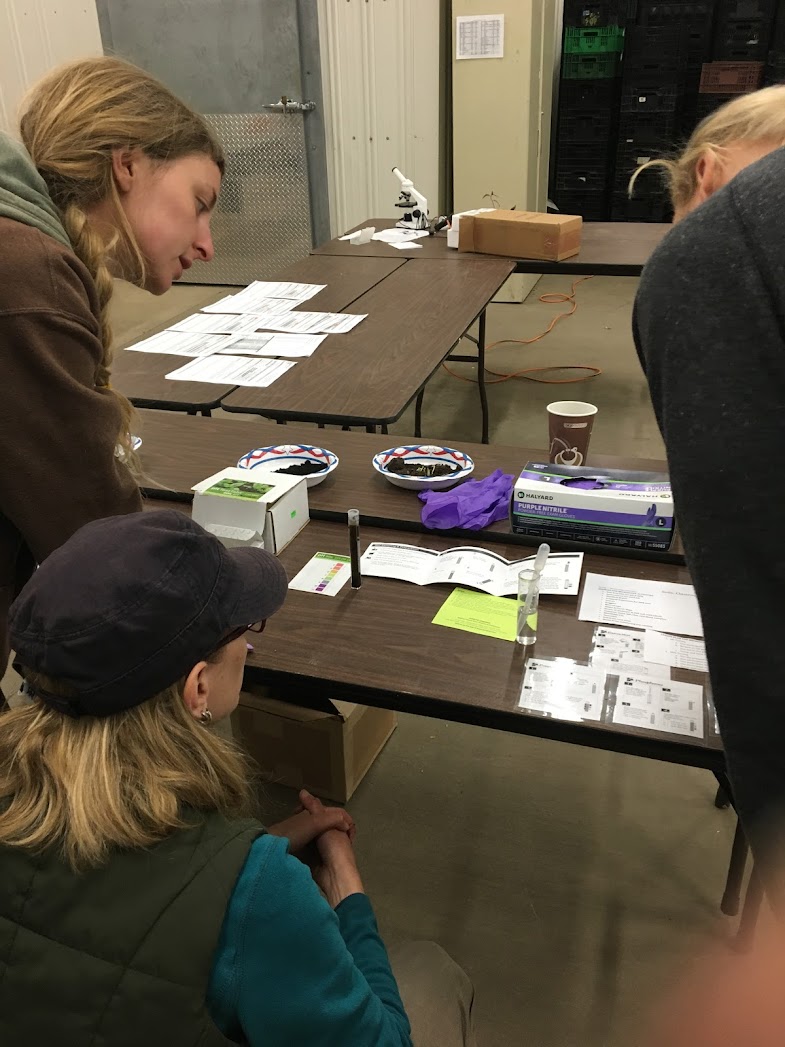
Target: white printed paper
676,708
563,689
620,652
641,604
256,343
232,370
308,323
467,566
214,323
398,236
233,303
407,246
180,343
678,651
325,573
282,289
479,36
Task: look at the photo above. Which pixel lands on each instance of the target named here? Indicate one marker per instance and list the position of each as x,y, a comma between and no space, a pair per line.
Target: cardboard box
454,232
621,507
327,751
260,508
521,234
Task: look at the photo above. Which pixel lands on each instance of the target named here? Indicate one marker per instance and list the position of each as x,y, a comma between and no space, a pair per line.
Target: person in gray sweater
709,326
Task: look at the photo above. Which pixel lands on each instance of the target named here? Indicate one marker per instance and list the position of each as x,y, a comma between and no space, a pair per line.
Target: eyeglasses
235,634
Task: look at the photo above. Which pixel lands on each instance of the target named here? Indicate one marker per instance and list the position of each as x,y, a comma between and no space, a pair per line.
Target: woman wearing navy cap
139,902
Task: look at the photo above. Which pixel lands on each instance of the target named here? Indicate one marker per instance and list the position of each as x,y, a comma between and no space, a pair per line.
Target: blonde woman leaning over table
114,176
709,326
140,901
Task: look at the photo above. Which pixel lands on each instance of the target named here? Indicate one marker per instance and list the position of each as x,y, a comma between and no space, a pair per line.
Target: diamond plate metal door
263,218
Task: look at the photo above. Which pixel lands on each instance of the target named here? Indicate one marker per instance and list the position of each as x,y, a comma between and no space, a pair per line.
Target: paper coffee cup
569,428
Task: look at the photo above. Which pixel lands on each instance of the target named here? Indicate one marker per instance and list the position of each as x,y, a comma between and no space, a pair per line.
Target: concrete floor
566,881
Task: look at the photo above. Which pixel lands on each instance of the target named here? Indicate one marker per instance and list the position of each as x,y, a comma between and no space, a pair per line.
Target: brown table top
142,376
377,645
178,452
607,249
370,375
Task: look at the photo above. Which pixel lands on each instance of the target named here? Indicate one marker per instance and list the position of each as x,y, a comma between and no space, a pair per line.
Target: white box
260,508
454,232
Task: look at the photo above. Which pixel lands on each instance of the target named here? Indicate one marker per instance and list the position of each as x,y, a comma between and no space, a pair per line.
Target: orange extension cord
552,298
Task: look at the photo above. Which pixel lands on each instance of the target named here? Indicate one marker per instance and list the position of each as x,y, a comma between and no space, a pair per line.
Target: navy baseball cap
129,604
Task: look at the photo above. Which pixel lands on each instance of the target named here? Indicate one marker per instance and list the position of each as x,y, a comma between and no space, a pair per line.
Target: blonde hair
755,117
72,121
87,786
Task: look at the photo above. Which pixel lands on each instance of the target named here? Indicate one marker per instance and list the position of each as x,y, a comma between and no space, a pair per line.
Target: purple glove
472,505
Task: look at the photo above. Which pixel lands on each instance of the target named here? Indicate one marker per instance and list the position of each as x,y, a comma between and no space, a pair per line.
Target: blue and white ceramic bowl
428,454
281,456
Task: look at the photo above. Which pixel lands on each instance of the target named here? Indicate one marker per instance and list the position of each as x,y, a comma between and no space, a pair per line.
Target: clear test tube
528,602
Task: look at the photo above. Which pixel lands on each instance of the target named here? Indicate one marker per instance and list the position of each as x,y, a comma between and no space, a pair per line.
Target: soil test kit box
597,506
256,507
521,234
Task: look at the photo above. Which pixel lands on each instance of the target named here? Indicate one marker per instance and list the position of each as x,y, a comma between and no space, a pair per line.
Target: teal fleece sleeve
288,969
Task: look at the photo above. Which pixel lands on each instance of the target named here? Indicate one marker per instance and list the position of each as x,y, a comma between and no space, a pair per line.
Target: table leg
731,898
370,429
418,413
383,430
207,413
749,914
721,799
481,378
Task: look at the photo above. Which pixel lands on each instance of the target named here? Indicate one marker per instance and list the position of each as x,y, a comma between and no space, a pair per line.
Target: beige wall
502,113
36,35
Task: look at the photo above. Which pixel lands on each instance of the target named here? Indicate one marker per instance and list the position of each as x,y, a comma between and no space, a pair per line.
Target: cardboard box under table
327,750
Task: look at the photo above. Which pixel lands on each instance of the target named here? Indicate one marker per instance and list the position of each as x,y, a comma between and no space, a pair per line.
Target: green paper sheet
479,613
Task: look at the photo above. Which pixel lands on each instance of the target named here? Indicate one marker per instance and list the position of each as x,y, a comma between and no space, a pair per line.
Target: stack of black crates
636,77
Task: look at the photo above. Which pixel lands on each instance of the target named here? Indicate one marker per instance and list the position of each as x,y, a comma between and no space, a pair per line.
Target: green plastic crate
589,67
607,39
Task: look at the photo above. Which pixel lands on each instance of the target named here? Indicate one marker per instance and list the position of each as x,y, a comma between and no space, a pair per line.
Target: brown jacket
58,433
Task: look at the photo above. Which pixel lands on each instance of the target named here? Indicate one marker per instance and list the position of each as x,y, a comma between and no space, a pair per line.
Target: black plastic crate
580,175
589,95
774,71
651,13
578,125
593,205
640,208
651,97
656,52
746,8
741,40
630,158
585,14
648,129
706,104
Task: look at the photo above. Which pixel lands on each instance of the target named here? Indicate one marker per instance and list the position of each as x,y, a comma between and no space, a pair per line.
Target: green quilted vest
119,956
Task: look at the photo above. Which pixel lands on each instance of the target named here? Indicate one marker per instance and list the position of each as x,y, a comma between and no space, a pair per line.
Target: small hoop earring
205,718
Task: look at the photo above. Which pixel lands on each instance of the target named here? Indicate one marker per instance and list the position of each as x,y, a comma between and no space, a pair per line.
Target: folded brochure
465,565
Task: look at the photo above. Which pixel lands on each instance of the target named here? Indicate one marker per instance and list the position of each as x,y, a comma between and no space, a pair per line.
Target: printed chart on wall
479,36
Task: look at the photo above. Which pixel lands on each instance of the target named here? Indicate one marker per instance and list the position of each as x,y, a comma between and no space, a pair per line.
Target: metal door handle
288,105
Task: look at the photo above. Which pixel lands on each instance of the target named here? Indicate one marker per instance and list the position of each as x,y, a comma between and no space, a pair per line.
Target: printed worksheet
308,323
234,304
676,708
215,323
563,689
257,343
282,289
641,604
479,36
464,565
180,343
232,370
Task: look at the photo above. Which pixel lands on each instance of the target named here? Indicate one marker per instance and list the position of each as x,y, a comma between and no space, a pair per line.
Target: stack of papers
257,344
621,652
233,303
307,323
215,323
465,565
232,370
253,298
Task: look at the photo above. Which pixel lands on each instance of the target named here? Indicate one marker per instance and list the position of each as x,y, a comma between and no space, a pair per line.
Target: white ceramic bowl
283,455
428,454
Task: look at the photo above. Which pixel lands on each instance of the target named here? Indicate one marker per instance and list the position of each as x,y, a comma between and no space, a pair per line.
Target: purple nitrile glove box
616,507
